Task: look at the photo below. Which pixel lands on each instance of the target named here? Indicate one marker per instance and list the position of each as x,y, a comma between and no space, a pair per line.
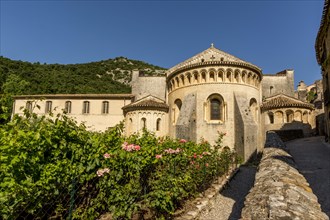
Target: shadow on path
312,157
238,187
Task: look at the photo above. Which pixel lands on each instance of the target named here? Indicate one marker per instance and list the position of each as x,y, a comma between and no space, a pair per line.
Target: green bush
52,167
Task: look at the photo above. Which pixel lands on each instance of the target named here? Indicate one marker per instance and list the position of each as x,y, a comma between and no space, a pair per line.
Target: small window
271,90
215,109
67,107
178,103
143,123
105,107
271,118
86,106
158,124
48,106
28,106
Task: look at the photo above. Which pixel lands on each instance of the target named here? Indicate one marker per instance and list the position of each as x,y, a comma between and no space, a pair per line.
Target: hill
106,76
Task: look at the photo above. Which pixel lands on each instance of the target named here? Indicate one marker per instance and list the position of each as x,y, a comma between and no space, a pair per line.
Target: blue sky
274,35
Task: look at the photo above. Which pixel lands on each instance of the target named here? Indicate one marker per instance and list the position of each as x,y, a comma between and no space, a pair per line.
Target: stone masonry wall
280,191
143,86
282,82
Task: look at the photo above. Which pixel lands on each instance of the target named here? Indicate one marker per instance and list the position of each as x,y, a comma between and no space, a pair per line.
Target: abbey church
208,93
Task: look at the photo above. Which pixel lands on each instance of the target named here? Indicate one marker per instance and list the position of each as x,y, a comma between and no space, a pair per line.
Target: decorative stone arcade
216,92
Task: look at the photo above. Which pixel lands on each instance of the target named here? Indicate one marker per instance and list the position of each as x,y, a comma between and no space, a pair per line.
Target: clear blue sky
274,35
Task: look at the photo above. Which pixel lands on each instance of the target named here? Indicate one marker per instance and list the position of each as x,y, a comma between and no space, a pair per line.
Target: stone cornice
76,96
214,63
199,84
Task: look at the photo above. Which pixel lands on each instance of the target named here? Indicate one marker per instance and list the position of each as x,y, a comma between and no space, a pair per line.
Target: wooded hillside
106,76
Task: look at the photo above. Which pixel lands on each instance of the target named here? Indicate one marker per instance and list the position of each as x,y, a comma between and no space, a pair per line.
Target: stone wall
282,82
280,191
143,86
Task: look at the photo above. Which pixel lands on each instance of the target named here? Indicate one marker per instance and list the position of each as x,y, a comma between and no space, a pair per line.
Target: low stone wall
280,191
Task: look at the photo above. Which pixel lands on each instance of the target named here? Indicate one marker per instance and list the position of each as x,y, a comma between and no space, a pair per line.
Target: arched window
130,126
158,124
212,76
86,107
279,118
298,116
271,90
48,106
178,103
143,123
271,118
254,109
176,110
215,108
289,116
229,75
105,107
67,107
305,117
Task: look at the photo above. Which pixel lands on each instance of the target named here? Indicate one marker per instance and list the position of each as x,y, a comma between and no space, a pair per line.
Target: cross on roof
212,57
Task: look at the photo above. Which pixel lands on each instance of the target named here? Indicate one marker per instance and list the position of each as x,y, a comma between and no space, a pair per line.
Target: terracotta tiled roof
148,104
283,101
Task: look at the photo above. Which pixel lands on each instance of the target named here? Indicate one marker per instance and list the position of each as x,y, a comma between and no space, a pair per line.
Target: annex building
208,93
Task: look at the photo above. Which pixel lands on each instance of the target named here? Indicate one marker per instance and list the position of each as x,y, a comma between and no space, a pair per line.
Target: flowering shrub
46,163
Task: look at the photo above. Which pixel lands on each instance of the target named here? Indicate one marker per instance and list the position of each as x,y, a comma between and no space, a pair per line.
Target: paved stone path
229,202
312,157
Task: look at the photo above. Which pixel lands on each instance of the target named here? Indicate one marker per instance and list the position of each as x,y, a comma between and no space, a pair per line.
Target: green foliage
311,96
106,76
48,161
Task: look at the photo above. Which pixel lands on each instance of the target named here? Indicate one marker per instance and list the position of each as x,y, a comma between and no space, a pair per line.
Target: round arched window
215,109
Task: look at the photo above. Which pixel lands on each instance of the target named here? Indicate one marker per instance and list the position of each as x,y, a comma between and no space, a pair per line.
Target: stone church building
208,93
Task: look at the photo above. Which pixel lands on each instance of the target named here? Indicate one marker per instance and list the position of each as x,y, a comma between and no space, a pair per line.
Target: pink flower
206,164
200,156
158,156
183,141
130,147
192,162
195,156
100,172
106,155
172,151
206,153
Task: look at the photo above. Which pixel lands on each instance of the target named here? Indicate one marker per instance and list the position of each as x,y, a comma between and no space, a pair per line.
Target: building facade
322,47
210,93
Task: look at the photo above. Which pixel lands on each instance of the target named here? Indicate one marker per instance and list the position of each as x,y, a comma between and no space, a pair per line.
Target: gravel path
230,201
